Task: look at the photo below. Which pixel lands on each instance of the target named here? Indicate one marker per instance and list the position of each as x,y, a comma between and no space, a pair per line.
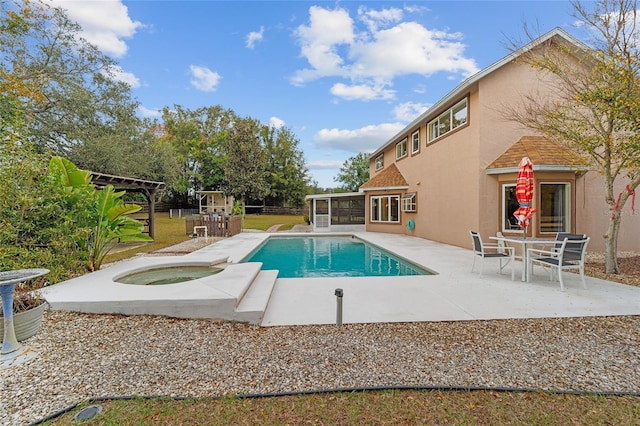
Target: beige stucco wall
454,192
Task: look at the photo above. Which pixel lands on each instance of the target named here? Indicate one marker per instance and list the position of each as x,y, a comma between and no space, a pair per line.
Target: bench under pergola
147,187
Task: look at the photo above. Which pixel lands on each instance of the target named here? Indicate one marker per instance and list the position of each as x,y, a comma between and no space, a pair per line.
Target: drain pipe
339,294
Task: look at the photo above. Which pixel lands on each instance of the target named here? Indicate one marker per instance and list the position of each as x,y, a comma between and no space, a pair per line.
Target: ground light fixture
87,413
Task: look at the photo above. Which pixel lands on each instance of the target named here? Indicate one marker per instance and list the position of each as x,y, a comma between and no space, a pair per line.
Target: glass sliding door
555,208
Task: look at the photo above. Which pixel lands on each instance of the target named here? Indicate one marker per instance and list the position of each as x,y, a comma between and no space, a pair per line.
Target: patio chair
491,251
570,255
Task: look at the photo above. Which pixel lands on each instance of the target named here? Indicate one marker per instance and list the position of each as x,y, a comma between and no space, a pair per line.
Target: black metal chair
491,251
570,255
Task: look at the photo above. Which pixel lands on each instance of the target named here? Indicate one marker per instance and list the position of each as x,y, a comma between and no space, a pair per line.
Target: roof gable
390,177
544,154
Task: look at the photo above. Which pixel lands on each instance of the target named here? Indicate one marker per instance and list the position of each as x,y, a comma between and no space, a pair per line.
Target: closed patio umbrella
524,193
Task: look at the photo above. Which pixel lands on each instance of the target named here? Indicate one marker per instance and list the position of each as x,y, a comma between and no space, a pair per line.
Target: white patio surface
454,293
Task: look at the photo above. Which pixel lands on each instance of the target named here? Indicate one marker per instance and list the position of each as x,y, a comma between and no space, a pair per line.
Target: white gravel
83,356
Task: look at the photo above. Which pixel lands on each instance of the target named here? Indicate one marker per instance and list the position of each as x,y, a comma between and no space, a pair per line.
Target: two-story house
453,169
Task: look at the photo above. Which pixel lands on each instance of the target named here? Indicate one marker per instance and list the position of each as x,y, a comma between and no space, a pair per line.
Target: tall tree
245,172
287,173
354,172
198,138
65,86
597,109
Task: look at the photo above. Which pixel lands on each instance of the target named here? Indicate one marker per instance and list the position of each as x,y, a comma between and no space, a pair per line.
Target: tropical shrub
106,215
36,227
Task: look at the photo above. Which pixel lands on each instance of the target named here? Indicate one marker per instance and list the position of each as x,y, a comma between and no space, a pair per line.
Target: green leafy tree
597,109
66,87
287,173
198,138
354,172
245,174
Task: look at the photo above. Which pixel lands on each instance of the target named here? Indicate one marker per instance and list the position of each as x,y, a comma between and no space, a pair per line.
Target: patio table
524,242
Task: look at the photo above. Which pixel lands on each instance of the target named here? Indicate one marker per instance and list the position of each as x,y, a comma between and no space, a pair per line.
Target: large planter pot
27,323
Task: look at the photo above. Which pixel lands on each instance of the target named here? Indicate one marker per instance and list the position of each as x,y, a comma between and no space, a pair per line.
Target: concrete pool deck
242,292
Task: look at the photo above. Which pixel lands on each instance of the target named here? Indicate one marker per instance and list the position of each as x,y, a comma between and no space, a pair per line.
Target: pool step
254,302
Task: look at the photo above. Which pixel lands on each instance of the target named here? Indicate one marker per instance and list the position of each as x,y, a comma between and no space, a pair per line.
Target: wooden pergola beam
147,187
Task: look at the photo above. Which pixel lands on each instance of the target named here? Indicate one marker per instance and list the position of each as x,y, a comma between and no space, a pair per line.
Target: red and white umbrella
524,193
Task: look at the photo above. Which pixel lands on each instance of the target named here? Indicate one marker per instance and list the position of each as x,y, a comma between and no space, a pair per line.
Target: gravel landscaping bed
83,356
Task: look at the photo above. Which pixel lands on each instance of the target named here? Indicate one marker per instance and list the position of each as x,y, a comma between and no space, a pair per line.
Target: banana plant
113,225
104,213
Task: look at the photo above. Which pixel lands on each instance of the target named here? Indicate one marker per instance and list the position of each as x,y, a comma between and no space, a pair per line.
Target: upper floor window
379,161
401,148
450,119
415,141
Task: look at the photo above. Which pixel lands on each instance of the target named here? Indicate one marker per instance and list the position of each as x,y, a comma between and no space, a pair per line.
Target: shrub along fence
217,226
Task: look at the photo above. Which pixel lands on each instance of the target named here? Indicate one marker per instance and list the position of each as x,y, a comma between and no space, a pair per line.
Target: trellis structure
146,187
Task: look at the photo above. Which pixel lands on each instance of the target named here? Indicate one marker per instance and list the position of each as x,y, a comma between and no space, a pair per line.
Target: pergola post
146,187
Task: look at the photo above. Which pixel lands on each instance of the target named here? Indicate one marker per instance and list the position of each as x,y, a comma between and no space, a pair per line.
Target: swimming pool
329,256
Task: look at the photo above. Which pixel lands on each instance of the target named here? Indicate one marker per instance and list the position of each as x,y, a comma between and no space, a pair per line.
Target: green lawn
390,407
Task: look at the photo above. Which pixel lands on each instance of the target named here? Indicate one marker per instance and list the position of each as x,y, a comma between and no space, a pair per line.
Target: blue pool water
346,256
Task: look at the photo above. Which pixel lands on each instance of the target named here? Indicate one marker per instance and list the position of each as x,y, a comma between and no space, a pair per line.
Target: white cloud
408,111
276,123
410,48
254,37
204,79
324,164
362,92
371,55
146,112
119,74
365,139
319,42
104,23
377,18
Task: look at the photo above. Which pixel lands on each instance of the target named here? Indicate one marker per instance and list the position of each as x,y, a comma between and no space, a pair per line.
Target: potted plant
28,311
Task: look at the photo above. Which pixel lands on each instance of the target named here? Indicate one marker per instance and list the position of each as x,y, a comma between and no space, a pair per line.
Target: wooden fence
221,226
284,211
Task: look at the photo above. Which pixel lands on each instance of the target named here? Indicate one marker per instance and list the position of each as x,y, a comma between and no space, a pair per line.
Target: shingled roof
389,178
544,154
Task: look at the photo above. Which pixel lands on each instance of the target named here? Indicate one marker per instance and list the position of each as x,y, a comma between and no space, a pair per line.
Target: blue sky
343,76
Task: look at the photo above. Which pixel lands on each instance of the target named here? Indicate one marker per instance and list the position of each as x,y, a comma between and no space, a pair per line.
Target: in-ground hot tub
168,274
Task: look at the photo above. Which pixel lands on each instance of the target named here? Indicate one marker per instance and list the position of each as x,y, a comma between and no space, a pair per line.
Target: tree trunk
611,245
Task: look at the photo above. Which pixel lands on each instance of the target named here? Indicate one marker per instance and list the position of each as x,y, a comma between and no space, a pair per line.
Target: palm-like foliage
113,225
106,215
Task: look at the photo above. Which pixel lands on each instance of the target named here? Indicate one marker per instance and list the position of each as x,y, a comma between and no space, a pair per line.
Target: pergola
146,187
